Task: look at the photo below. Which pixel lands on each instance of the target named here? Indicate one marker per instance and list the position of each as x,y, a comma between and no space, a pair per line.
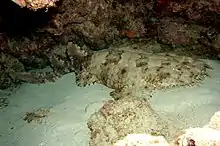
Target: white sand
66,123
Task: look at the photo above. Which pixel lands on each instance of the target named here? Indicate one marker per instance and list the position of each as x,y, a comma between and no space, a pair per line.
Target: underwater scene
110,73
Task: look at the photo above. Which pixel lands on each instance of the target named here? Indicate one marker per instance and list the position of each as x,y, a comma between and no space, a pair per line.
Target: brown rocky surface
197,10
118,118
177,32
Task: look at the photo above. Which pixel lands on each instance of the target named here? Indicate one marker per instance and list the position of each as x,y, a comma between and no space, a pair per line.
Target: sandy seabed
70,107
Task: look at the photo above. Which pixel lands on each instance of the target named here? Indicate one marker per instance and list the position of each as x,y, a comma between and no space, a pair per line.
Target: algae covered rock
117,119
8,66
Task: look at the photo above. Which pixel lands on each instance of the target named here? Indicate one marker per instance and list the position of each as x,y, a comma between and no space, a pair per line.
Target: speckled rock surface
136,73
118,118
142,140
35,4
197,10
9,65
177,32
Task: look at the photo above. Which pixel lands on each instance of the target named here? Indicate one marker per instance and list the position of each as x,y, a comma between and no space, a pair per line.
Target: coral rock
176,32
199,137
209,135
142,140
196,9
117,119
35,4
9,65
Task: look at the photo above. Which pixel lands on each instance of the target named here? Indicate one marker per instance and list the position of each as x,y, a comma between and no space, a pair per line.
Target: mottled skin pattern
133,72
